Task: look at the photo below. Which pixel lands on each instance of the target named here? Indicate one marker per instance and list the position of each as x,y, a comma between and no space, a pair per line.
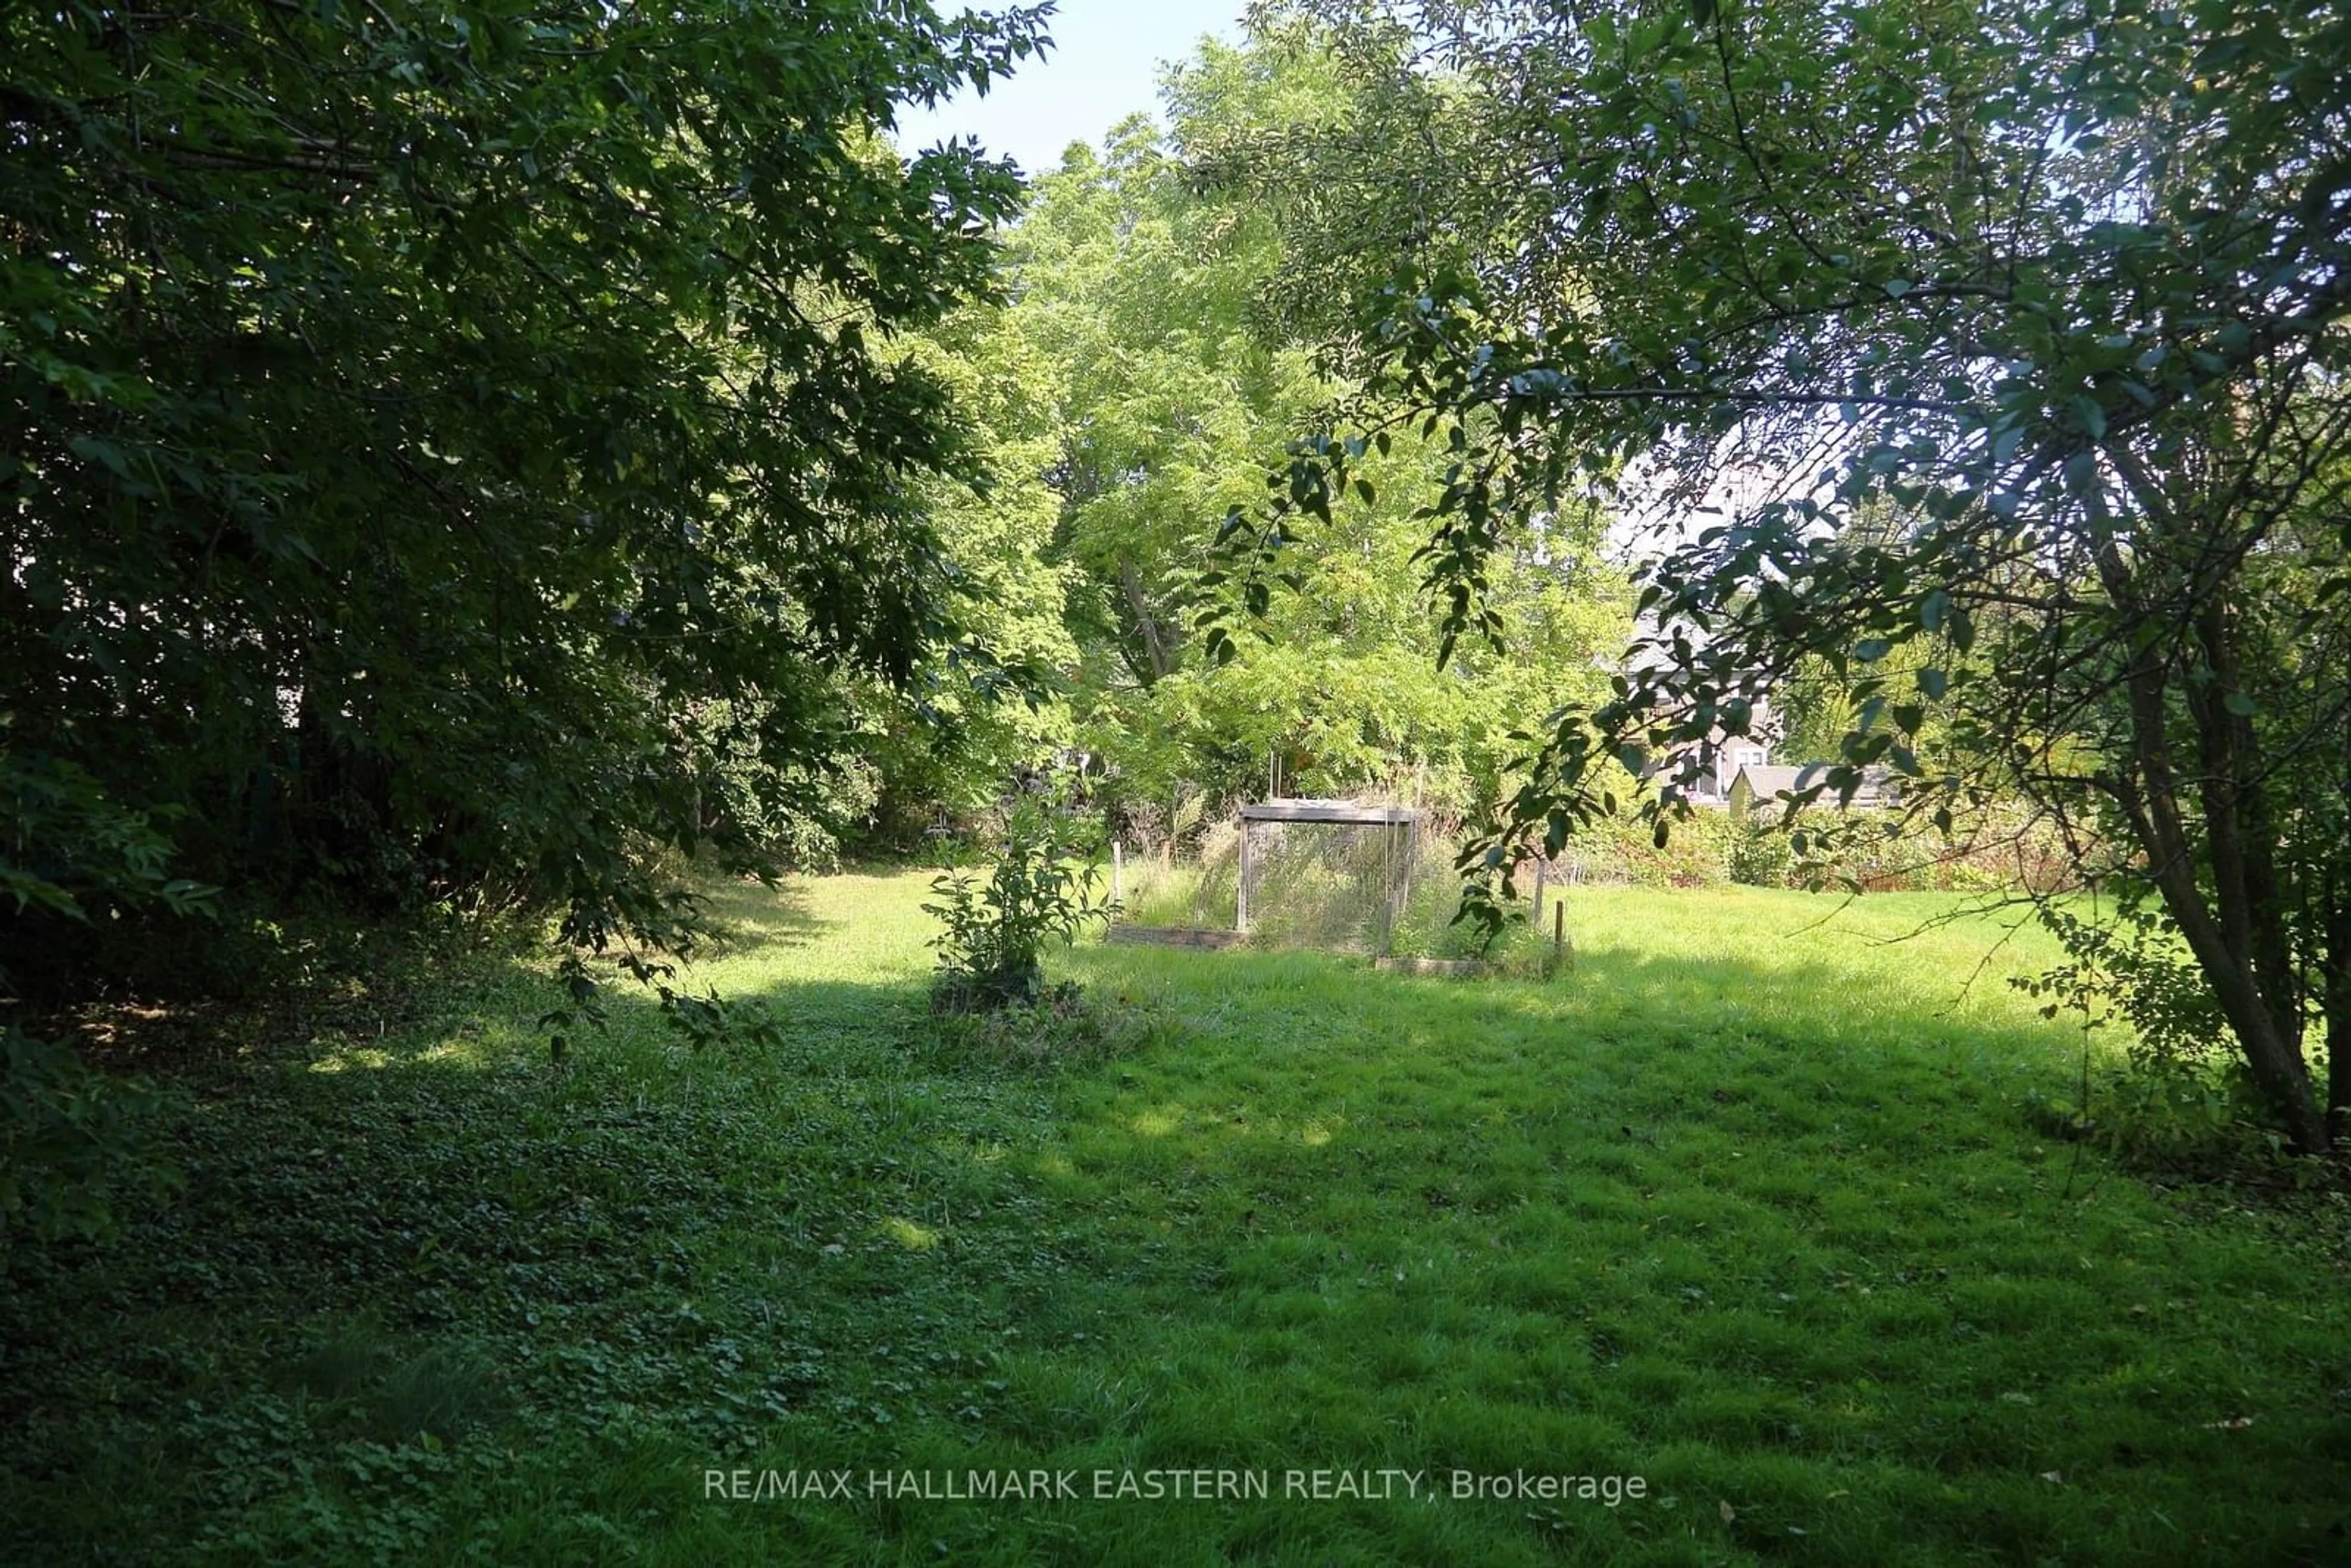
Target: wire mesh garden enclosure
1337,874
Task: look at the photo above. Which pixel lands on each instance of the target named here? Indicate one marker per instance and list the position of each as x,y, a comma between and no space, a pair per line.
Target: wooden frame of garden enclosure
1340,813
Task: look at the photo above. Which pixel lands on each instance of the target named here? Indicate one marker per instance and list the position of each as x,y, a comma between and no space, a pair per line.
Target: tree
2061,288
942,749
1152,333
439,439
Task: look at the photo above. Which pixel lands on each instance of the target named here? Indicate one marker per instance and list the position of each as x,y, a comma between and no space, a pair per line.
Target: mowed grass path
1745,1205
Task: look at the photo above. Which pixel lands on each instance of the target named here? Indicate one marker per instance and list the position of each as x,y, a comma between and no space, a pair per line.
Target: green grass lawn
1746,1205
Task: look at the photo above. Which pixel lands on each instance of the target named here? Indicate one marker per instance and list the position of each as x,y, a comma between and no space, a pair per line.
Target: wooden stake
1117,865
1399,879
1241,909
1559,929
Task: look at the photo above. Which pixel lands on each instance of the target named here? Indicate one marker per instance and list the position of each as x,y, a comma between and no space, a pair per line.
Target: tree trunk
2275,1057
2334,1002
2222,933
1147,621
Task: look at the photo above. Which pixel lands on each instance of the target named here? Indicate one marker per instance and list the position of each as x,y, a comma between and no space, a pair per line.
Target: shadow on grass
1759,1227
393,1249
744,913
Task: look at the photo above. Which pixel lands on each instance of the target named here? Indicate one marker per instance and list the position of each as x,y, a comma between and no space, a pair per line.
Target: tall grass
1316,886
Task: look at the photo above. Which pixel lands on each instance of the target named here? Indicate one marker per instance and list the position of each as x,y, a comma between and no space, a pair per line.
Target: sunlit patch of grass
906,1233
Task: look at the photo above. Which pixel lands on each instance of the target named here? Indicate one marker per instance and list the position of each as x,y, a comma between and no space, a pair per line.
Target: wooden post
1117,866
1388,889
1559,929
1403,893
1240,910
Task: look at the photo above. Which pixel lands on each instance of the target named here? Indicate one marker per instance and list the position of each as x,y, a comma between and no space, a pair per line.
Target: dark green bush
74,1144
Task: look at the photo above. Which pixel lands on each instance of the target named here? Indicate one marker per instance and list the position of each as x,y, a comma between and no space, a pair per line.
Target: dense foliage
476,457
450,447
521,456
448,453
1162,366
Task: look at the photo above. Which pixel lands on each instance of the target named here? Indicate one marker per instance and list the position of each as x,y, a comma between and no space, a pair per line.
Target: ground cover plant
1747,1204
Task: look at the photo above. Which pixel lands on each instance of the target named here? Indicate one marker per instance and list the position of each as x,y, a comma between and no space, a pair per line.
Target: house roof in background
1770,782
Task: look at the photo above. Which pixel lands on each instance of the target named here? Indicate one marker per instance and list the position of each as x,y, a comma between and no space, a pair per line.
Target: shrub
2134,964
74,1141
2179,1100
1623,848
74,1144
1041,890
1759,854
